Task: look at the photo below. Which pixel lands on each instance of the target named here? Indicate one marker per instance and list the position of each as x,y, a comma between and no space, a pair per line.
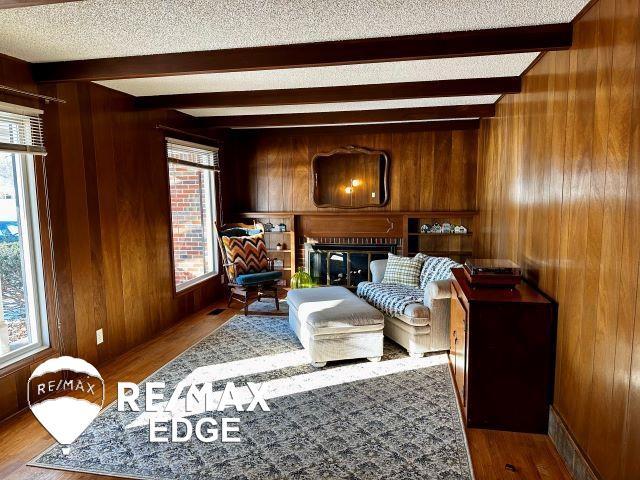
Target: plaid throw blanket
389,298
436,268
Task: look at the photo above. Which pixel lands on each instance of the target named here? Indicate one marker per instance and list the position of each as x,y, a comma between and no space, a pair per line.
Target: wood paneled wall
13,381
107,191
429,170
559,192
108,183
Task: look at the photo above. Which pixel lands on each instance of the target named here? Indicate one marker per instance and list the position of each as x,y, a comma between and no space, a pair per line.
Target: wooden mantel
362,212
360,223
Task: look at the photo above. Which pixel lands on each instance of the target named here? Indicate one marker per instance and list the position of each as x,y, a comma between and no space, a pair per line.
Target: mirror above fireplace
350,177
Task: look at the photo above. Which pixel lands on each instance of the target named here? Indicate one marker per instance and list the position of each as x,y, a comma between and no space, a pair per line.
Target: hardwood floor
533,456
22,437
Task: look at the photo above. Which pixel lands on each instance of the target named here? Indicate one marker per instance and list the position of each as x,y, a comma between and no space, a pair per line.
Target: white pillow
403,270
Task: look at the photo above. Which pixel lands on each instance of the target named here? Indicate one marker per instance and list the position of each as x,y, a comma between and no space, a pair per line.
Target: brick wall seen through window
192,222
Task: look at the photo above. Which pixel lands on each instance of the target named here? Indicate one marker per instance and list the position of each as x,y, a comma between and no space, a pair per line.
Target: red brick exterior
190,210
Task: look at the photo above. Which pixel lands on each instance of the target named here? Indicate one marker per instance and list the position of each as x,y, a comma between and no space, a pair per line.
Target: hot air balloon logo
65,394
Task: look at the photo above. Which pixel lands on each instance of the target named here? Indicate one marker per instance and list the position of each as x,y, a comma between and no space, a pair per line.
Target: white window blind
21,130
186,153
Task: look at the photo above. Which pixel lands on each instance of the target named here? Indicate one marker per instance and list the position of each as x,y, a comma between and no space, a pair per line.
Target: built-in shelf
451,244
287,238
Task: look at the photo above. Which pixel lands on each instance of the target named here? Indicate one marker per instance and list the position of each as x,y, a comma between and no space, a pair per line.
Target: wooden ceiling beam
344,52
346,93
365,129
361,116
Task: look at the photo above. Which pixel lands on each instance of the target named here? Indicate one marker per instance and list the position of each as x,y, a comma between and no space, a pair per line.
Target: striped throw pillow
403,270
248,254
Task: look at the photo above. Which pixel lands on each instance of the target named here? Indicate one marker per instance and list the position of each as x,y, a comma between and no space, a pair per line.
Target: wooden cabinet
502,348
458,343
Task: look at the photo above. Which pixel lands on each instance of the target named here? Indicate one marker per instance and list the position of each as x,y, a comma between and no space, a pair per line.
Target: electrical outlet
373,194
99,337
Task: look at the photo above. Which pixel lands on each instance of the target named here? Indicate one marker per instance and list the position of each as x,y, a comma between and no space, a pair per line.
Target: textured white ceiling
341,107
111,28
412,71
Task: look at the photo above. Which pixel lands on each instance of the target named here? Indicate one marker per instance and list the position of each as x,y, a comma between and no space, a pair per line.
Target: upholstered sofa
416,317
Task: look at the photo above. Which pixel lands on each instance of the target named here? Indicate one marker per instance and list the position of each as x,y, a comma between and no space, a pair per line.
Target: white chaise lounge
334,324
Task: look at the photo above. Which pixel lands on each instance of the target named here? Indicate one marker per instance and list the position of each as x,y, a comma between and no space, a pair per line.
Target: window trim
37,307
194,283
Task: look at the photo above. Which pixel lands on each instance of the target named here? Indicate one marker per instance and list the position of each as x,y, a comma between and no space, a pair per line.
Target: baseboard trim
577,464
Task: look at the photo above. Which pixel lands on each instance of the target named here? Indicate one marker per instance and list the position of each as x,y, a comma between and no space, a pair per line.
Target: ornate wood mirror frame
350,177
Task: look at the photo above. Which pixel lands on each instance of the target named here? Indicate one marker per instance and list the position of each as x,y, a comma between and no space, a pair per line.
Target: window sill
28,358
198,283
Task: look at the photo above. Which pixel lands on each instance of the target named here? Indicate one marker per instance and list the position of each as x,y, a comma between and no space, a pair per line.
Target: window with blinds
189,153
23,325
192,170
21,130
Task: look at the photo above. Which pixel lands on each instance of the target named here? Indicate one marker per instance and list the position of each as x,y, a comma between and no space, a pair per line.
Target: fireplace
343,264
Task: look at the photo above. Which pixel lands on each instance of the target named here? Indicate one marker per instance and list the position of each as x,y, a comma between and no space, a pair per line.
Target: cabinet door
452,335
458,338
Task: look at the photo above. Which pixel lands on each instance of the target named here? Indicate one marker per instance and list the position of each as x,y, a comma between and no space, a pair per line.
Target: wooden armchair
248,270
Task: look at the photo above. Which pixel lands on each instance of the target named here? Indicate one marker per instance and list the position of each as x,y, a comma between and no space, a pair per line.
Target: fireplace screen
345,265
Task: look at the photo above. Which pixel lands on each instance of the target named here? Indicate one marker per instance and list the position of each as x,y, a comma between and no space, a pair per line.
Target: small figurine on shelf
446,227
436,228
283,227
268,227
279,246
425,228
460,229
278,264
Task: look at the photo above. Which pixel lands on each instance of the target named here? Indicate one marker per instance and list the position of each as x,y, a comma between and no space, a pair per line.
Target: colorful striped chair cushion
248,254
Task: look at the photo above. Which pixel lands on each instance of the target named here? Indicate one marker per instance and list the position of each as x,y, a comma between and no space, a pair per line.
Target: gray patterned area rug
397,418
